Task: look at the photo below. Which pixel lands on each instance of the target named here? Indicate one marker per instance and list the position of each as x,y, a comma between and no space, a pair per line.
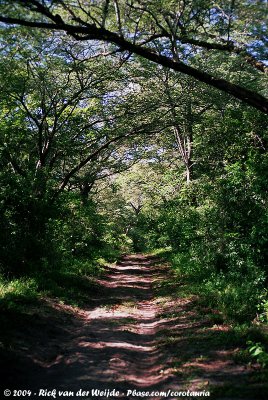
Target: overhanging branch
92,32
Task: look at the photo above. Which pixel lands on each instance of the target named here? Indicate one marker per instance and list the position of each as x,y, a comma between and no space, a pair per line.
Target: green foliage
192,165
80,229
217,225
17,293
263,307
258,353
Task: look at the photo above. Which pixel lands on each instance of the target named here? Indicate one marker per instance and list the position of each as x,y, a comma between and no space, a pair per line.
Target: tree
55,126
166,33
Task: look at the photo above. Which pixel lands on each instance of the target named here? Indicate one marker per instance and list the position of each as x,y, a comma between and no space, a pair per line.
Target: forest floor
134,333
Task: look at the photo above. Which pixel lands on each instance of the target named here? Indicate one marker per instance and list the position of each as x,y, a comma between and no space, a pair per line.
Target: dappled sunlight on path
116,346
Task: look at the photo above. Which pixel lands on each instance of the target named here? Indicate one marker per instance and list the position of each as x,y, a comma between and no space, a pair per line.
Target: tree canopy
185,36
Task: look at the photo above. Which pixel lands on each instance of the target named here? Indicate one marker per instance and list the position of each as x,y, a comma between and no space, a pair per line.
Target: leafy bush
17,292
257,352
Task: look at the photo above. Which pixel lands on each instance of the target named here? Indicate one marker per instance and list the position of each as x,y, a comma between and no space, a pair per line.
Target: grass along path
135,332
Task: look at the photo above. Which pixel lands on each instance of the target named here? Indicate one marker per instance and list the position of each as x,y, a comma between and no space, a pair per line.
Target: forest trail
128,338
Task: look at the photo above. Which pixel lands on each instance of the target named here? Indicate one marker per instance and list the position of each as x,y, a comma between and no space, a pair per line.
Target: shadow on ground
125,338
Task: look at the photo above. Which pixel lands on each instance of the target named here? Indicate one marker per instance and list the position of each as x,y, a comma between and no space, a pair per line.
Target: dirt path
116,346
128,339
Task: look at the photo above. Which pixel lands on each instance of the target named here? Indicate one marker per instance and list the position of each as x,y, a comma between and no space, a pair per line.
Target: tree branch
91,32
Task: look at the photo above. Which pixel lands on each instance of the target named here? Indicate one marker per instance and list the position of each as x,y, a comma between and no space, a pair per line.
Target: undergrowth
241,302
71,283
